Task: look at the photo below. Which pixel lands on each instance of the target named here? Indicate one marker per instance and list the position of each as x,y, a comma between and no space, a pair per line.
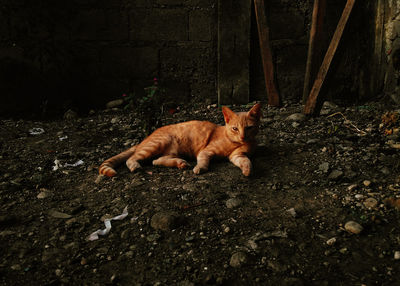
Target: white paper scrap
77,163
36,131
57,165
107,223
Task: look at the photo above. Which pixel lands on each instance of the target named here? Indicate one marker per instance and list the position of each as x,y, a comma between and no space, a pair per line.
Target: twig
346,121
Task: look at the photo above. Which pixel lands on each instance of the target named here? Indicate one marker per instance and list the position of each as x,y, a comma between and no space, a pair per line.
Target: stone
114,103
331,241
367,183
70,115
238,259
58,214
335,174
298,117
165,220
324,167
295,124
352,187
353,227
370,203
233,203
292,212
44,194
397,255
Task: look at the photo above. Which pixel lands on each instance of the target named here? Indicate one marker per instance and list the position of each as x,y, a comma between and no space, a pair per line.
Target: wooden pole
312,99
314,46
266,54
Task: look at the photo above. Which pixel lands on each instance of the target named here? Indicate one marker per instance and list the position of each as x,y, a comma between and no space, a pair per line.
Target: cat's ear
255,111
228,114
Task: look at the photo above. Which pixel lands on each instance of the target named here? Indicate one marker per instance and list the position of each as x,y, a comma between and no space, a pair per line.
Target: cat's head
242,126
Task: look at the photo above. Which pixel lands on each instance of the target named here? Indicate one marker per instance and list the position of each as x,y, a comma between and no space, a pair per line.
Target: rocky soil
321,208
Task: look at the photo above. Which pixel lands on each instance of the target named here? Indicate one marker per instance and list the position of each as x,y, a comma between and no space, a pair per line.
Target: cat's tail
107,167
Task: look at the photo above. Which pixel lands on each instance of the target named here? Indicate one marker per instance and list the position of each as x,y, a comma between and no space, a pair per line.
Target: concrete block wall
82,53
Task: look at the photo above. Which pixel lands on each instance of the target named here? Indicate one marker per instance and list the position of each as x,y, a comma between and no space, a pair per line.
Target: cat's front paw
133,165
198,170
246,168
183,165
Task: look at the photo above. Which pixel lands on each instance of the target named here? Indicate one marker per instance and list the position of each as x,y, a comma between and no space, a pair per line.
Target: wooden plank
266,54
378,72
234,20
314,46
312,99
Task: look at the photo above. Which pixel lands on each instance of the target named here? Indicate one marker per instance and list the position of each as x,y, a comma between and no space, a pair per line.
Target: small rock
233,203
329,105
83,261
292,212
331,241
370,203
164,221
70,115
114,103
352,187
99,179
295,124
335,174
385,171
44,194
58,214
114,120
296,117
397,255
359,196
238,259
353,227
312,141
153,237
324,167
367,183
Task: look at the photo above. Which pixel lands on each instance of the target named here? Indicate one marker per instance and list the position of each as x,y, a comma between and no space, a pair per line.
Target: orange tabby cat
199,139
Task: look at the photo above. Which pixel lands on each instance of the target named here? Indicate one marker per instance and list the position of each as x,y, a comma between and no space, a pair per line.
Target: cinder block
99,24
159,25
127,62
202,25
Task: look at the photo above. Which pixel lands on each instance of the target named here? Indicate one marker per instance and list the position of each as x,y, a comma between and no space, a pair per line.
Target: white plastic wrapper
107,223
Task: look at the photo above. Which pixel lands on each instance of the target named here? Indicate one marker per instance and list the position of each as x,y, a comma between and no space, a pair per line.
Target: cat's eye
235,129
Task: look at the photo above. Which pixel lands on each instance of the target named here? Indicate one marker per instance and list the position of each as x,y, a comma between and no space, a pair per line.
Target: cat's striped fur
195,139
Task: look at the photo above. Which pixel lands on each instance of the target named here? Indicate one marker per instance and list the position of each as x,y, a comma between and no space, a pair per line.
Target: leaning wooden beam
263,35
312,99
314,46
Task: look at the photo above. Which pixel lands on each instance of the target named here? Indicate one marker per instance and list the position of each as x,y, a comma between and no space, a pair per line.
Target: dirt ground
285,225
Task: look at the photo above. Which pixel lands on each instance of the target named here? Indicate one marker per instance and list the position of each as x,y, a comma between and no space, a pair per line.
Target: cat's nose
242,137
